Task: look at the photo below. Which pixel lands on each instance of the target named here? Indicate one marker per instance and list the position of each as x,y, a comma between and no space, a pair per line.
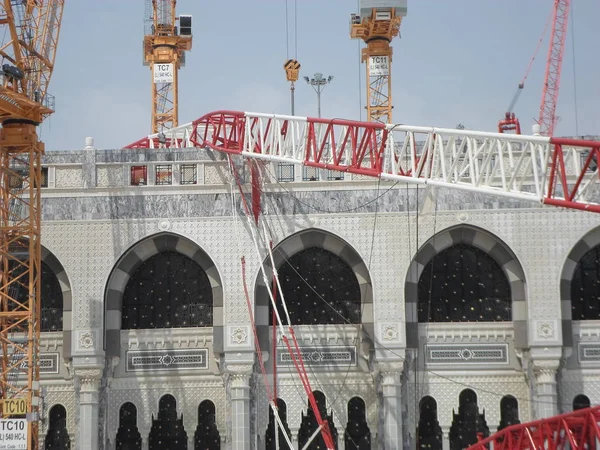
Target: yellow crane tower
31,30
377,23
165,45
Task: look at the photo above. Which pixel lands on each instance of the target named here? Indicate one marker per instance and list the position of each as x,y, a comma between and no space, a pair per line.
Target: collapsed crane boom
551,171
28,51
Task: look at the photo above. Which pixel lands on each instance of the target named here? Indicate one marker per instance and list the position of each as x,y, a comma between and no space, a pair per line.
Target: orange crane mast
28,50
165,45
377,24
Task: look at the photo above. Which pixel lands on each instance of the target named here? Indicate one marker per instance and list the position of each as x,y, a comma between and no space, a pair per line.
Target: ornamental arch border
485,241
302,240
584,244
129,262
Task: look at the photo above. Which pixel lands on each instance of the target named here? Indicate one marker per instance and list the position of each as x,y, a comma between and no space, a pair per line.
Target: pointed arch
480,239
133,259
588,242
296,243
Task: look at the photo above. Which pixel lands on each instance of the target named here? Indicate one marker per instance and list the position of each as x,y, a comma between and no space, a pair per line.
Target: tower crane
556,50
547,117
165,45
31,30
377,24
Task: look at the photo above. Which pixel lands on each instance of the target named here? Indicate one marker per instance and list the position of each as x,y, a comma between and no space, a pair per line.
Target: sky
456,62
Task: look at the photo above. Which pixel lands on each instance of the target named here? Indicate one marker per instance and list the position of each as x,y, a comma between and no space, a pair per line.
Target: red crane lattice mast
547,118
556,50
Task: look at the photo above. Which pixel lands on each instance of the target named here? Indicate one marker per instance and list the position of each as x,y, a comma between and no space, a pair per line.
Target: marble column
89,383
238,384
546,395
392,406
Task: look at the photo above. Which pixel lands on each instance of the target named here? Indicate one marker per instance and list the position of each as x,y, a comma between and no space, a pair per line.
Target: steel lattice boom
551,171
576,430
556,51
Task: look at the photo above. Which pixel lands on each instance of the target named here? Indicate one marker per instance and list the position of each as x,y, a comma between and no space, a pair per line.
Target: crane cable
537,49
287,30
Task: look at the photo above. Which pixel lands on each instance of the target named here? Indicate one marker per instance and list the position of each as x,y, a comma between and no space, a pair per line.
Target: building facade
424,316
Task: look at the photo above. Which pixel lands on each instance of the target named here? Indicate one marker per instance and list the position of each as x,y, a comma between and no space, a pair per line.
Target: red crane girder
552,171
575,430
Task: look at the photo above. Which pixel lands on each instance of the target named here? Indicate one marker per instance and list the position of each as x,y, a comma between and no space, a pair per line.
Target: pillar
238,385
391,374
546,394
89,383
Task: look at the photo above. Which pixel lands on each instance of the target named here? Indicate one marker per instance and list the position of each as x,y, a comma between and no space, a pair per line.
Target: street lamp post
318,82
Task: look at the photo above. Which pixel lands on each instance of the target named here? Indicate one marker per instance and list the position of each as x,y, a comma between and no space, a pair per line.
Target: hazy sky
457,61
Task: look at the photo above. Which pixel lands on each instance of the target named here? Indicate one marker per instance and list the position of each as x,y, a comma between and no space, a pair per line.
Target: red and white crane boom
556,50
547,170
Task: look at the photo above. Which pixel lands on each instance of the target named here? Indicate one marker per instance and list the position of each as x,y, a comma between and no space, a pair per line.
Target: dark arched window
468,423
128,435
270,434
57,437
581,402
585,287
309,425
169,290
207,435
357,435
429,432
167,430
509,411
463,284
51,296
319,288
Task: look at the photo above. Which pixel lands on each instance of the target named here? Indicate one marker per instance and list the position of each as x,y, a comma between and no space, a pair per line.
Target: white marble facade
95,223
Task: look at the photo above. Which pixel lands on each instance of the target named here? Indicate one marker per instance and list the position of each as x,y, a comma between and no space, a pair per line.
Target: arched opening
168,290
319,288
509,412
128,435
51,297
57,437
164,280
167,430
207,435
357,435
465,274
339,291
309,425
55,295
468,423
429,432
270,443
581,402
585,286
463,284
580,284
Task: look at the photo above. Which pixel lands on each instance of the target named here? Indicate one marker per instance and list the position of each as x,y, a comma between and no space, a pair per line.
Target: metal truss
574,430
547,170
